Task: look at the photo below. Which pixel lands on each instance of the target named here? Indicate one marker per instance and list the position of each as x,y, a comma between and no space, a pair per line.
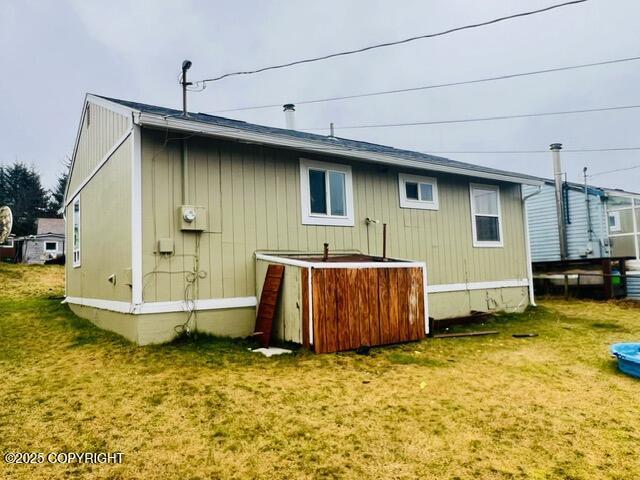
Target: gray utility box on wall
192,218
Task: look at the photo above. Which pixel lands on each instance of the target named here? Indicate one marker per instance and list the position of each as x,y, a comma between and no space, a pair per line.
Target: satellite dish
6,222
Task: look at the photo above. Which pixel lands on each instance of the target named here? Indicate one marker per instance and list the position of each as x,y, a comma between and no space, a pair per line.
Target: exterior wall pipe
527,241
185,173
289,110
557,176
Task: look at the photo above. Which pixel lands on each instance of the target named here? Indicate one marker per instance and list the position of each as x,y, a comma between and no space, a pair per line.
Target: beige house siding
105,232
252,195
97,137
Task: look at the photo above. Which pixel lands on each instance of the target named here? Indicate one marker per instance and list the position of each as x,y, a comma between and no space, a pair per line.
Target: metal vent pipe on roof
289,110
557,176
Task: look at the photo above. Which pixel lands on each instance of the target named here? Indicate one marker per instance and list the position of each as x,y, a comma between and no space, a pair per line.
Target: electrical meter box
192,218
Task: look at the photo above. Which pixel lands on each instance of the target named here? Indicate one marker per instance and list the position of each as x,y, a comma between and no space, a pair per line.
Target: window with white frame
76,232
326,191
418,192
614,222
8,243
486,219
50,246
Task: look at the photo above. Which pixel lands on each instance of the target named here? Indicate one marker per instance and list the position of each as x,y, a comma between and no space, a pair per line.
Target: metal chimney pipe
557,176
289,110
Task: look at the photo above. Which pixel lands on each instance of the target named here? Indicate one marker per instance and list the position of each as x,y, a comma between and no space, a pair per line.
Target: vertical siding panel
215,217
228,212
238,196
249,217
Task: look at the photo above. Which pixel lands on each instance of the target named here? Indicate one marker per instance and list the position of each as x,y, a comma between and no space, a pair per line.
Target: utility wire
568,150
479,119
388,44
614,171
428,87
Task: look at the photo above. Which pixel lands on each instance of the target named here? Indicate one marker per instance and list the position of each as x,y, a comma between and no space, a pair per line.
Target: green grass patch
494,407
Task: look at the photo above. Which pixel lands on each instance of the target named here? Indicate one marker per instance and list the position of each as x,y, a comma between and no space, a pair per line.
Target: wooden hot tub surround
350,301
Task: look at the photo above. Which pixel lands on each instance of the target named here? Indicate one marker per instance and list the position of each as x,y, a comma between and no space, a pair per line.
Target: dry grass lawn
488,407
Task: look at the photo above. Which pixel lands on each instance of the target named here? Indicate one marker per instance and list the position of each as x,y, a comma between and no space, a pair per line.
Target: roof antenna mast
186,65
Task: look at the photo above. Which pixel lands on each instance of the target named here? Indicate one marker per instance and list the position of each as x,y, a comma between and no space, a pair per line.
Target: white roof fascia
114,107
187,125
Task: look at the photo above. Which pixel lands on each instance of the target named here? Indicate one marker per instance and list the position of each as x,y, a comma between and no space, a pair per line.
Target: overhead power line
428,87
478,119
389,44
614,171
567,150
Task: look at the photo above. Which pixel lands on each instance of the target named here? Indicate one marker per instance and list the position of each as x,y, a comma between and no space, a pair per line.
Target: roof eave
229,133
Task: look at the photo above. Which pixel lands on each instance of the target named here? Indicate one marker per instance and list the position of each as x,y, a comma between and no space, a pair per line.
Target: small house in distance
172,221
46,245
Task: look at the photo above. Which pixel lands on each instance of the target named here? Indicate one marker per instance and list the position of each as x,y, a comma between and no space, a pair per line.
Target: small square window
614,222
50,246
418,192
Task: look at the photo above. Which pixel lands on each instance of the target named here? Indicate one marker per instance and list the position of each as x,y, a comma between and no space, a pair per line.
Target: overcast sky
53,52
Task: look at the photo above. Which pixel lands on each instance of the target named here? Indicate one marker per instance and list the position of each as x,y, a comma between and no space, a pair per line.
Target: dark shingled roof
354,145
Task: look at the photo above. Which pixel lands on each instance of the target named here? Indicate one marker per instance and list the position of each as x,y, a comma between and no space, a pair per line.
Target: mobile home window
8,243
486,220
50,246
326,193
418,192
614,222
76,232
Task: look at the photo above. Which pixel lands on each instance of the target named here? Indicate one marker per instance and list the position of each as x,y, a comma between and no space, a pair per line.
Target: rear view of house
173,219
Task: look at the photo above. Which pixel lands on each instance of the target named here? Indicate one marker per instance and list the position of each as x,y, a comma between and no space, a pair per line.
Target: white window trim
617,226
78,262
405,202
47,250
485,244
8,243
309,218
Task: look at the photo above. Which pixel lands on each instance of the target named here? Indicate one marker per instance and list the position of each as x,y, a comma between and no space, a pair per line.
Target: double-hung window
486,220
418,192
76,232
326,193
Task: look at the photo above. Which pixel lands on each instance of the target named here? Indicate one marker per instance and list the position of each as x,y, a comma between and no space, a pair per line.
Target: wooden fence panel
365,306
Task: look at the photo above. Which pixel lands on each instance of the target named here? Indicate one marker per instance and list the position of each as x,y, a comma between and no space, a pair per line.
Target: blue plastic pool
628,355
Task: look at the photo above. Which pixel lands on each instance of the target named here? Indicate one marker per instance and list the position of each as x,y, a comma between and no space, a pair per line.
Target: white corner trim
481,243
405,202
426,298
310,295
460,287
234,134
136,216
309,218
93,173
164,307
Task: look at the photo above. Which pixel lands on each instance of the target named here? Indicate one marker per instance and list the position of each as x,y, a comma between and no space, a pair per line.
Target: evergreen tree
21,190
56,200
